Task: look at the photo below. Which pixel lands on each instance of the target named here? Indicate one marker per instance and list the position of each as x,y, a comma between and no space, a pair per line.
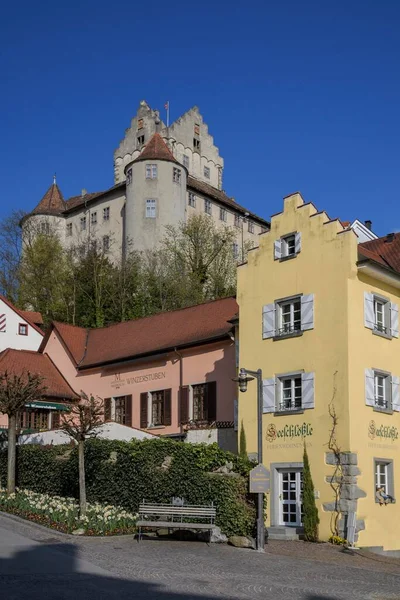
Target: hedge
125,473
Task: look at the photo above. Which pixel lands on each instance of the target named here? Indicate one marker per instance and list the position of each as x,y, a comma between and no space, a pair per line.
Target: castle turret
47,215
155,194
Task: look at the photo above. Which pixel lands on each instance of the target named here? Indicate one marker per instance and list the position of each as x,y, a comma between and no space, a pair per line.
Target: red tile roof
21,362
384,250
77,201
156,149
24,314
52,202
158,333
32,317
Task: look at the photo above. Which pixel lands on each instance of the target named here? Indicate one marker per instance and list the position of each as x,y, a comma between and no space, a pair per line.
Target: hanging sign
259,480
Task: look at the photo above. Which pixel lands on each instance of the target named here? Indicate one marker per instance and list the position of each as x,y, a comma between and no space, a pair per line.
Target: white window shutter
394,319
396,393
307,312
307,390
369,387
277,249
269,395
268,318
297,242
369,314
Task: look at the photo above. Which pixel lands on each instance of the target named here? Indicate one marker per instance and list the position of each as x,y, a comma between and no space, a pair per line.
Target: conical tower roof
52,202
156,149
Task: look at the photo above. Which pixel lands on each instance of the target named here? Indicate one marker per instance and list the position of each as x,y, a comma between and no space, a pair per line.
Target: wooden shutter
167,407
369,313
297,242
307,390
395,393
307,312
268,321
394,319
143,411
269,395
277,249
107,409
128,411
55,420
369,387
184,405
211,399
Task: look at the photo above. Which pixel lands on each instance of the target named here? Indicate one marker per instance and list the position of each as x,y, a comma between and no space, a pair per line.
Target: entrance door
291,497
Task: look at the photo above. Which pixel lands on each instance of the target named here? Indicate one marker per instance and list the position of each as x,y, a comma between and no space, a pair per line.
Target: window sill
285,258
285,413
387,503
382,334
387,411
286,336
156,427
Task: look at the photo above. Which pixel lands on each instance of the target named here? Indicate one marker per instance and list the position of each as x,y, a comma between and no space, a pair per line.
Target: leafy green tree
10,254
310,518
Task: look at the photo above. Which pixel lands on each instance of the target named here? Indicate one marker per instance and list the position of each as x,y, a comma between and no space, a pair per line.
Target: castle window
207,206
106,243
83,223
237,220
129,177
185,161
22,329
151,171
140,140
151,208
192,200
69,229
207,172
251,227
176,176
140,124
93,218
235,250
197,129
222,214
106,213
196,144
45,228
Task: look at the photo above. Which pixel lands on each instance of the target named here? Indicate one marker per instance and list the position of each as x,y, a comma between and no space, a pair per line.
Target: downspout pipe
179,355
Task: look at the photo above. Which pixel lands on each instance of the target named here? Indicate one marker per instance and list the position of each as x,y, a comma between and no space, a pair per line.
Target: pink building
169,374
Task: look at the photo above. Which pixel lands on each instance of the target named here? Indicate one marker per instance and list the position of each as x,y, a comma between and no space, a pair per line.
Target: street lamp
245,375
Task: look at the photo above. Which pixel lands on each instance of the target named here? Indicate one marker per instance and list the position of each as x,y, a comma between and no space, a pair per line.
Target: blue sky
298,95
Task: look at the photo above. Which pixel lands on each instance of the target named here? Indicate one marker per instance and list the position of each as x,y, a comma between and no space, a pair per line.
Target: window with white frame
207,172
185,161
384,482
289,316
381,315
222,214
151,208
176,175
83,223
381,390
106,243
69,229
192,200
237,221
151,171
45,227
235,250
251,227
290,393
287,246
207,206
93,218
129,177
106,213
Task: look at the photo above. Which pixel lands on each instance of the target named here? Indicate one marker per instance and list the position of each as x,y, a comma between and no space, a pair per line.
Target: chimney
368,225
83,193
389,238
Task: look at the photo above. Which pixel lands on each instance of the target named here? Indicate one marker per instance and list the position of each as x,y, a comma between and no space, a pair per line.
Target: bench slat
175,525
176,512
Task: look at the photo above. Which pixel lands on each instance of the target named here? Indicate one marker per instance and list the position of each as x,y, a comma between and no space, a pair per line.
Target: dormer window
288,246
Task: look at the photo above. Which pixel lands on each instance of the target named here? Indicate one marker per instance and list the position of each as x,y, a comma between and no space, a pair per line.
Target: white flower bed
63,513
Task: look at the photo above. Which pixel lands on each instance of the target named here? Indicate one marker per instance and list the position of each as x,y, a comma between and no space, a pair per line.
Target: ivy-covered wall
125,473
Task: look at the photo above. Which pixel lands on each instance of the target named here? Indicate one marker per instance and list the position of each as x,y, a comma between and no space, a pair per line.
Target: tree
10,254
310,518
242,443
82,422
15,392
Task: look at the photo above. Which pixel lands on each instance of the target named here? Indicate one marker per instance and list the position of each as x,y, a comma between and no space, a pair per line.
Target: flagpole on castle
166,106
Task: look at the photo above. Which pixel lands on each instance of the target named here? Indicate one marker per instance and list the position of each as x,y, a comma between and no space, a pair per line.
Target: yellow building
319,316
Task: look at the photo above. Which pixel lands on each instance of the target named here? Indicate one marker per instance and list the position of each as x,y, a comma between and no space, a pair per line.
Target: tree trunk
82,483
12,434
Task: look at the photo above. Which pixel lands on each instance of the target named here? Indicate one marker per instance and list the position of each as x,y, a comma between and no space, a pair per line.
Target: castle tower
47,215
155,194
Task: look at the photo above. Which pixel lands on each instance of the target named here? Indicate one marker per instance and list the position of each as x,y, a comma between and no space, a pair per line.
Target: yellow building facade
319,315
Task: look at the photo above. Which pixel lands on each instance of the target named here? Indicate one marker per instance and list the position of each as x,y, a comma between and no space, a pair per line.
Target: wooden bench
172,516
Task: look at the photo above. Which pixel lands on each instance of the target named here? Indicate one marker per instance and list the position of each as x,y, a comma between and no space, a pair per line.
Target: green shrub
310,517
125,473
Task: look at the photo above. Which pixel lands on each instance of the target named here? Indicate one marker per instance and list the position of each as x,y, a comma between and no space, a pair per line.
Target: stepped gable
52,202
156,149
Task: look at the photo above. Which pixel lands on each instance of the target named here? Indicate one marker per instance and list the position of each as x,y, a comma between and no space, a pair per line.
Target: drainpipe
180,383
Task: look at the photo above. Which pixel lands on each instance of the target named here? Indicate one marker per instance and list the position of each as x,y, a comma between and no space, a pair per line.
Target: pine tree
310,518
242,443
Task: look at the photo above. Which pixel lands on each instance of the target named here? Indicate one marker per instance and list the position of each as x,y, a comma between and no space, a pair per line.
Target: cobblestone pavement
37,563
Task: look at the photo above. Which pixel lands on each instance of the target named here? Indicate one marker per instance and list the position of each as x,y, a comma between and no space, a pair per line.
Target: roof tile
156,149
384,250
52,202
